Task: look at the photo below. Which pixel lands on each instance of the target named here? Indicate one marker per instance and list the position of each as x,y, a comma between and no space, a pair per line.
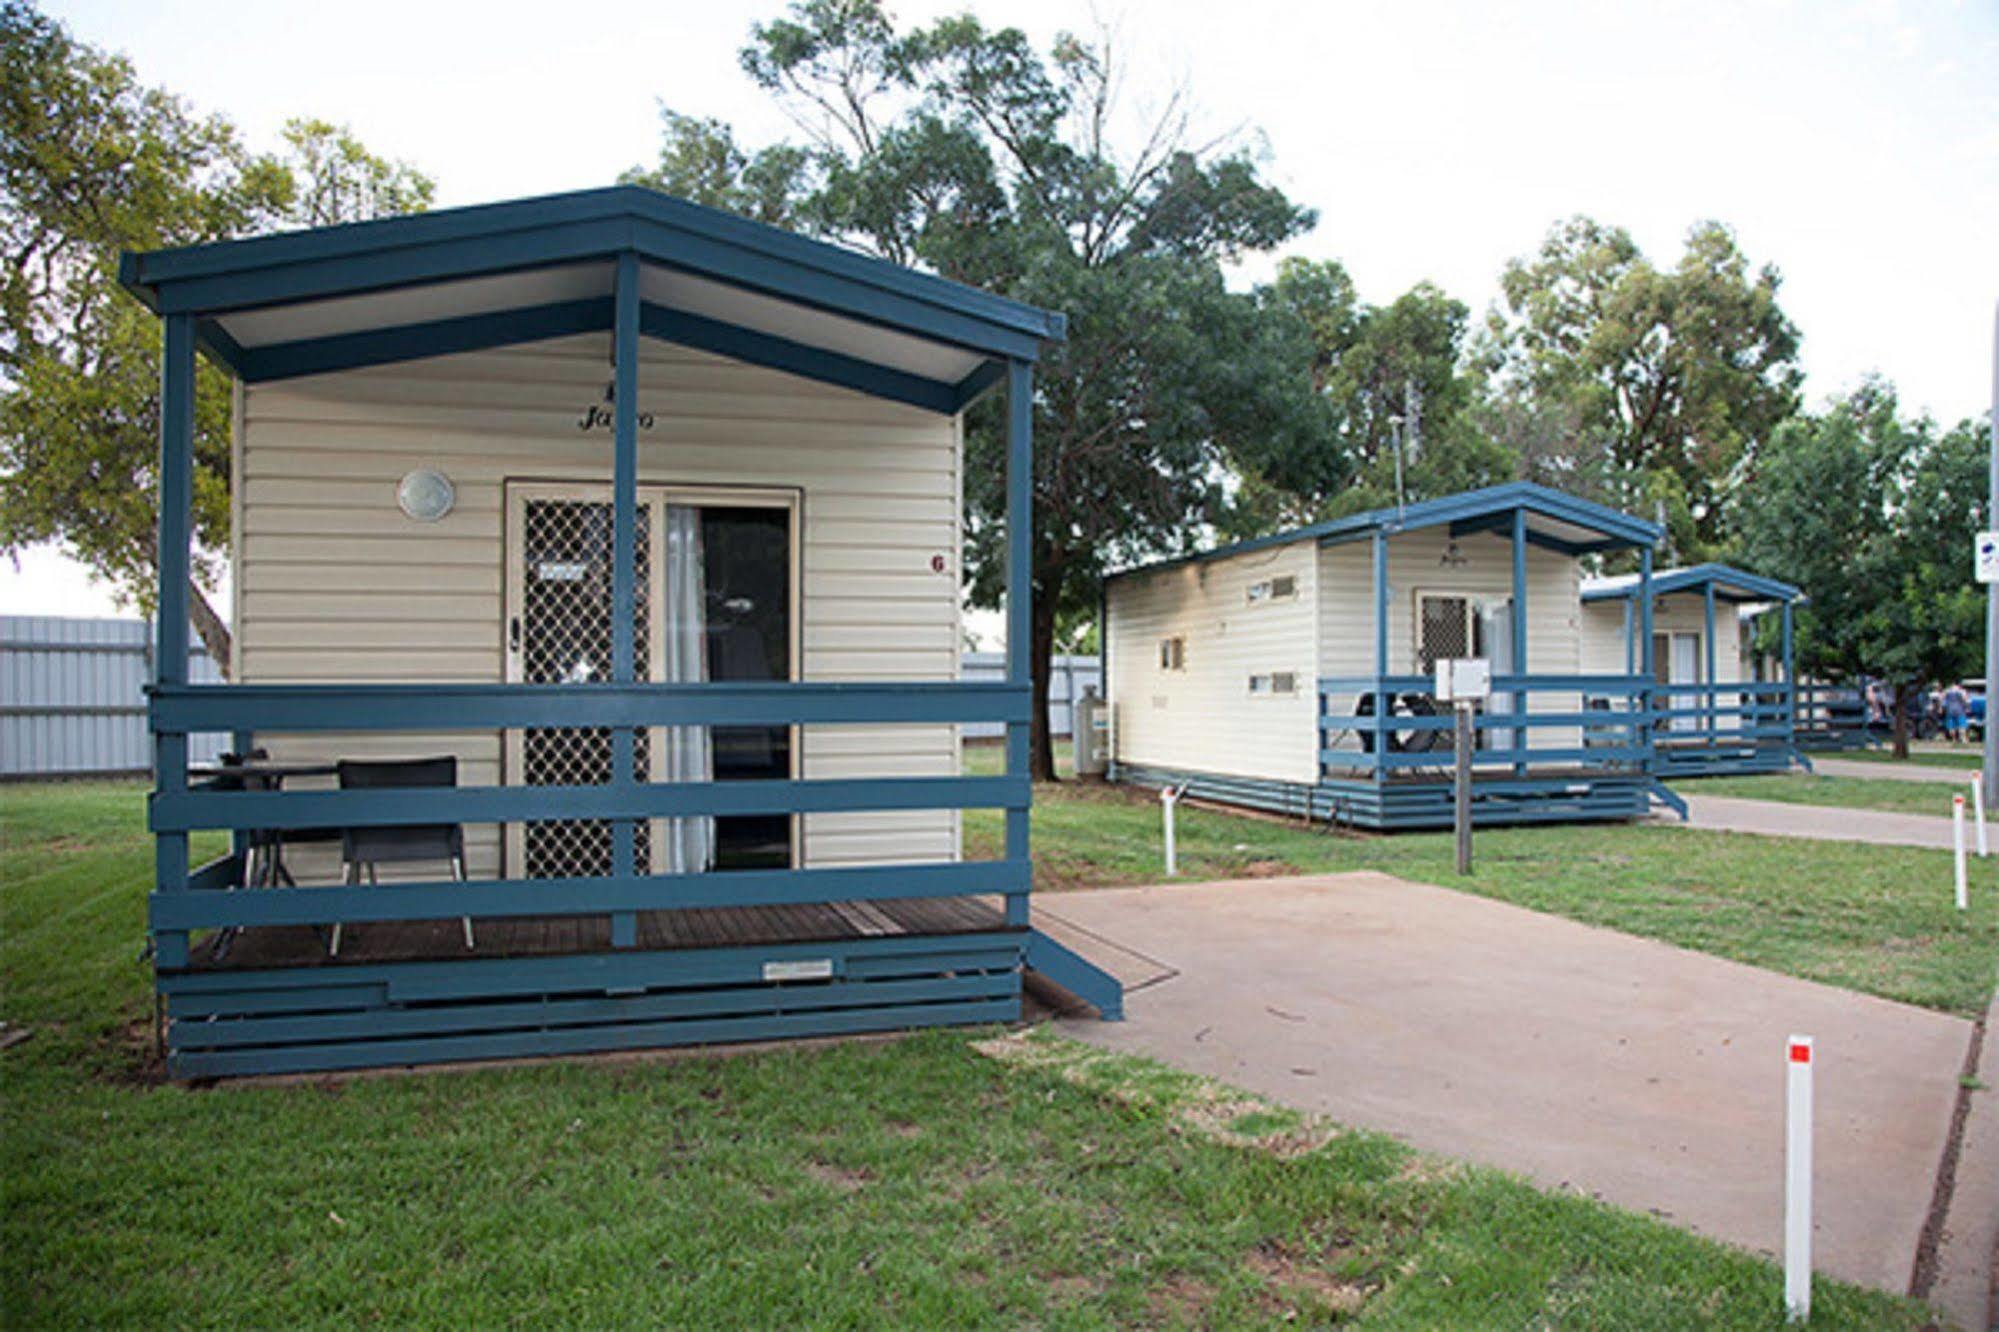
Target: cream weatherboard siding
1416,565
1603,635
1202,718
335,584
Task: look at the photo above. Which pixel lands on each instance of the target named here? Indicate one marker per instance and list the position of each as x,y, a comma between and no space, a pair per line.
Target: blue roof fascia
1725,578
1465,511
530,233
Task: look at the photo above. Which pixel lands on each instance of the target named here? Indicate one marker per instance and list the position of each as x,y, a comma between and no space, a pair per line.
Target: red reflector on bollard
1801,1053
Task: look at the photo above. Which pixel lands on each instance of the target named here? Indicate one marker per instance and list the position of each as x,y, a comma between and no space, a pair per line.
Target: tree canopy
1668,381
93,162
1873,515
968,151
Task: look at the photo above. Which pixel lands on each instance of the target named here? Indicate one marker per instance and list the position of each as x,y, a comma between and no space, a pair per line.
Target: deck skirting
234,1021
1414,805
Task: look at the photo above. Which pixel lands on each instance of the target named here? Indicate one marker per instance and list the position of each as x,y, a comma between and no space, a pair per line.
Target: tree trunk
1041,758
208,626
1900,722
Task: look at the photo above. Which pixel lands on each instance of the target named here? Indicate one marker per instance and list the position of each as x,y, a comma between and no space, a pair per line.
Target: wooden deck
286,946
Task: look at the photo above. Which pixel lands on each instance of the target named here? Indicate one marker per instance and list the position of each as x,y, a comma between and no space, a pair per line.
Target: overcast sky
1852,143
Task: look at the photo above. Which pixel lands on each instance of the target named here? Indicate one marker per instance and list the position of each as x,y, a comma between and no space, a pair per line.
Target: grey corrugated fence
72,700
1071,676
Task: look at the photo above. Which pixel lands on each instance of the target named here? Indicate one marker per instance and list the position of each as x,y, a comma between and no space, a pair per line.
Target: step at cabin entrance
715,587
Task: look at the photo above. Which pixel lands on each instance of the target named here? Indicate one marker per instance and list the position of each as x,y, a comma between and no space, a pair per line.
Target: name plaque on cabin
816,968
599,416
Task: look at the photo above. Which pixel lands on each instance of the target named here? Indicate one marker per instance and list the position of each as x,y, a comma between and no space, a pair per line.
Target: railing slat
485,898
182,709
183,811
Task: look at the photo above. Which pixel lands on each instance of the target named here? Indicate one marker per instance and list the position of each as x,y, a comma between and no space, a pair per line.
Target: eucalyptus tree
968,151
92,162
1672,377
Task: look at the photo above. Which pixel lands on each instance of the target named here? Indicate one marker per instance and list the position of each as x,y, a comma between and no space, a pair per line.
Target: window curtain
690,756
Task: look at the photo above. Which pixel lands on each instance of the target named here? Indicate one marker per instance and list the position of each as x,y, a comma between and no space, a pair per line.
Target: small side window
1173,654
1273,683
1273,589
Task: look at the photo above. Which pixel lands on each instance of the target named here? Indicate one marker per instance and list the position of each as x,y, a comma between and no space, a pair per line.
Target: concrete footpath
1967,1280
1892,772
1776,818
1644,1074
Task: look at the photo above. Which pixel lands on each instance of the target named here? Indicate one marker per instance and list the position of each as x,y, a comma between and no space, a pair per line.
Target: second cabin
1295,673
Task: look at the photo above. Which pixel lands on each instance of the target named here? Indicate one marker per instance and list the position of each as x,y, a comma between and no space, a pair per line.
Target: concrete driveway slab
1645,1074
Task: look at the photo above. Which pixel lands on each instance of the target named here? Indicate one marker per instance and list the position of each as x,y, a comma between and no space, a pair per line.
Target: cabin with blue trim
1721,708
596,583
1294,673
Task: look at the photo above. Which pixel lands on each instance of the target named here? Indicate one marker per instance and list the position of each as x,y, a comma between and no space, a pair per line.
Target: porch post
1648,669
624,547
1019,603
1790,683
1520,733
1630,643
1382,698
170,625
1707,638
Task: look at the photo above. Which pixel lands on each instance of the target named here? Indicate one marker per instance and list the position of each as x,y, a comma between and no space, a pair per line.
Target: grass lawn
1802,788
910,1182
1970,759
1872,918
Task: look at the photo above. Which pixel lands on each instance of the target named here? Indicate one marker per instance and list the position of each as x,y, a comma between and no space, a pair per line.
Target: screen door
559,632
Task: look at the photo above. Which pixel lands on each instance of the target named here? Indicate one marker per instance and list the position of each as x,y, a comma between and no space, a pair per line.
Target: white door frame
519,491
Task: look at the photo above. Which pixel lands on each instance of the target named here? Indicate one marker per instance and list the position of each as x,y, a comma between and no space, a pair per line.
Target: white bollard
1798,1179
1957,848
1168,797
1978,811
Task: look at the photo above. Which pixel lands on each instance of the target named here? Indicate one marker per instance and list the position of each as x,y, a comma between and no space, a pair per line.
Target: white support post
1978,812
1798,1179
1169,797
1957,849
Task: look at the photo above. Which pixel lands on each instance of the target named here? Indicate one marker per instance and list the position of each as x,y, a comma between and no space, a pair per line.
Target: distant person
1956,707
1877,704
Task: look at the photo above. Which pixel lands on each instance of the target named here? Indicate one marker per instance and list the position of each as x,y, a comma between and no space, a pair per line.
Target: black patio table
266,775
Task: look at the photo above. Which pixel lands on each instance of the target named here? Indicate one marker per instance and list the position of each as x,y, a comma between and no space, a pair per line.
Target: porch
599,901
1560,738
1714,715
1546,749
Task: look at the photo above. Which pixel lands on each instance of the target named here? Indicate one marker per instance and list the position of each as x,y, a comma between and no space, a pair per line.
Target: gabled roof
1729,583
461,279
1553,519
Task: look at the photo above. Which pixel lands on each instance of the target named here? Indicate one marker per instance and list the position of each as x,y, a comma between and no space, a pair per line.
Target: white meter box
1464,679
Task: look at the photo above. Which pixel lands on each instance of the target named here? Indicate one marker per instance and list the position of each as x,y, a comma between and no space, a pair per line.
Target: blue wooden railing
1835,717
1756,711
197,900
1607,714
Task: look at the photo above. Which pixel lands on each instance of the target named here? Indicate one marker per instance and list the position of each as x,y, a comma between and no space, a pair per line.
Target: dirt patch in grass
1297,1275
842,1179
1179,1301
1192,1104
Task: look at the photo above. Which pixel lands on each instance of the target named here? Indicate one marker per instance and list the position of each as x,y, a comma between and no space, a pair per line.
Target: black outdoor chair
369,847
